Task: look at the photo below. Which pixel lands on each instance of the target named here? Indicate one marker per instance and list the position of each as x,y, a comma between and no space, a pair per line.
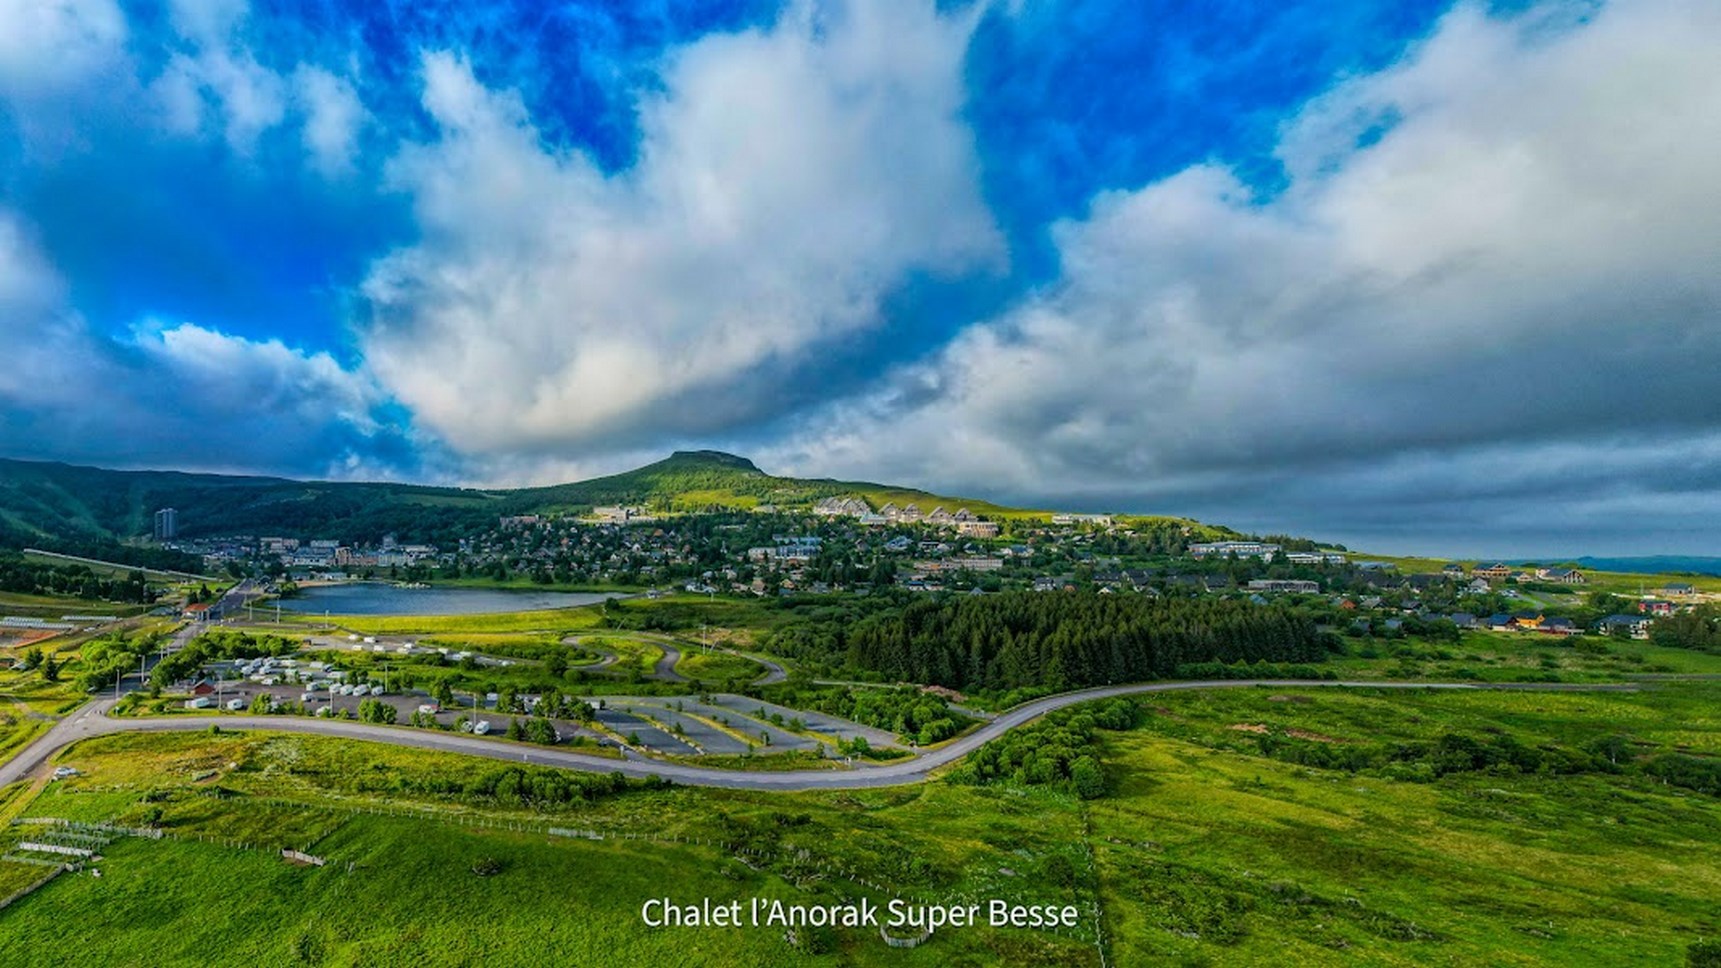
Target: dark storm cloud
1500,308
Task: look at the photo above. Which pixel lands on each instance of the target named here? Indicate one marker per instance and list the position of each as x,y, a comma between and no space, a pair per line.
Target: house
975,528
1527,621
202,687
1677,589
1500,623
1464,620
1102,520
1494,572
1560,626
1046,583
1563,576
1316,558
1233,549
1656,607
1284,585
1635,626
1452,570
1478,586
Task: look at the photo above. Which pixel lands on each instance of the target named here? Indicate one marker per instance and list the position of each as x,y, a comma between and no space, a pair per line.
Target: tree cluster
1063,641
76,581
1061,751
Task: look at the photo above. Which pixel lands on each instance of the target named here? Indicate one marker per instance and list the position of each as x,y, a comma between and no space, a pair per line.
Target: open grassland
1208,849
1519,657
555,900
28,704
51,607
1628,583
636,655
1205,848
717,666
547,620
516,645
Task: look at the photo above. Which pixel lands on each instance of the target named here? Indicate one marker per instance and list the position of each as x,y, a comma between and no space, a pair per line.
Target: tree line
75,581
1060,641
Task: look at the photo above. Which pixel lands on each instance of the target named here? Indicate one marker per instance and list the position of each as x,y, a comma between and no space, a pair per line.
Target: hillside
691,480
87,509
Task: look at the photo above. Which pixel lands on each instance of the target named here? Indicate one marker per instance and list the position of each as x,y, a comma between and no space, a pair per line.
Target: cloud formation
1493,266
788,179
211,400
1481,301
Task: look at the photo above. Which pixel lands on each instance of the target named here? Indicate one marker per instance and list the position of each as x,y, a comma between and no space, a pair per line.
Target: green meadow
1211,846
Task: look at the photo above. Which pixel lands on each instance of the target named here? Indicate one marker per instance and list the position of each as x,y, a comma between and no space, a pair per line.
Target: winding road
91,721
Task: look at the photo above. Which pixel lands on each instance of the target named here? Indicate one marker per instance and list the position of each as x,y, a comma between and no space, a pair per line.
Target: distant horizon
1364,547
1436,275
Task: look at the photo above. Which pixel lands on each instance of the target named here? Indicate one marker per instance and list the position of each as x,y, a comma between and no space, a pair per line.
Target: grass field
548,620
717,666
1284,865
1519,657
1206,851
633,654
53,606
1617,582
26,703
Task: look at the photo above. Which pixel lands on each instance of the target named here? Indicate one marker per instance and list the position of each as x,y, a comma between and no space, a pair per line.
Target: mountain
688,480
84,509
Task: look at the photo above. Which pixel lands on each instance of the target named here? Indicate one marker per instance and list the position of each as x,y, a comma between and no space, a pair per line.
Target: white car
361,690
481,727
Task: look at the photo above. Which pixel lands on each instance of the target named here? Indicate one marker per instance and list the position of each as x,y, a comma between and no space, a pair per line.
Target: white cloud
786,180
333,117
223,88
46,45
179,395
1524,256
207,21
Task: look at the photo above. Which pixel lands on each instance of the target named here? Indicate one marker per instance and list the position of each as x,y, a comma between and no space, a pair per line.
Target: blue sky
1414,275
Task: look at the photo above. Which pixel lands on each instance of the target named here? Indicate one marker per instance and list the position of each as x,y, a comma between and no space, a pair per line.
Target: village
847,545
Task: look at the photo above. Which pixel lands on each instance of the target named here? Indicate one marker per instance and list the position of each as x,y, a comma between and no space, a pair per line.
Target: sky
1417,277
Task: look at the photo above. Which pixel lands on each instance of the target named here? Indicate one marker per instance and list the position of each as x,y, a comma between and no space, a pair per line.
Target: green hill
694,480
84,510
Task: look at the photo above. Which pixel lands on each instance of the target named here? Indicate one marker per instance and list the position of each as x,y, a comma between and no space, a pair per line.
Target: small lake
380,598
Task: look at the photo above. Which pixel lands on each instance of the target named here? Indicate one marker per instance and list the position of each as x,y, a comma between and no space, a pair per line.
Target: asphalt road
666,666
91,720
